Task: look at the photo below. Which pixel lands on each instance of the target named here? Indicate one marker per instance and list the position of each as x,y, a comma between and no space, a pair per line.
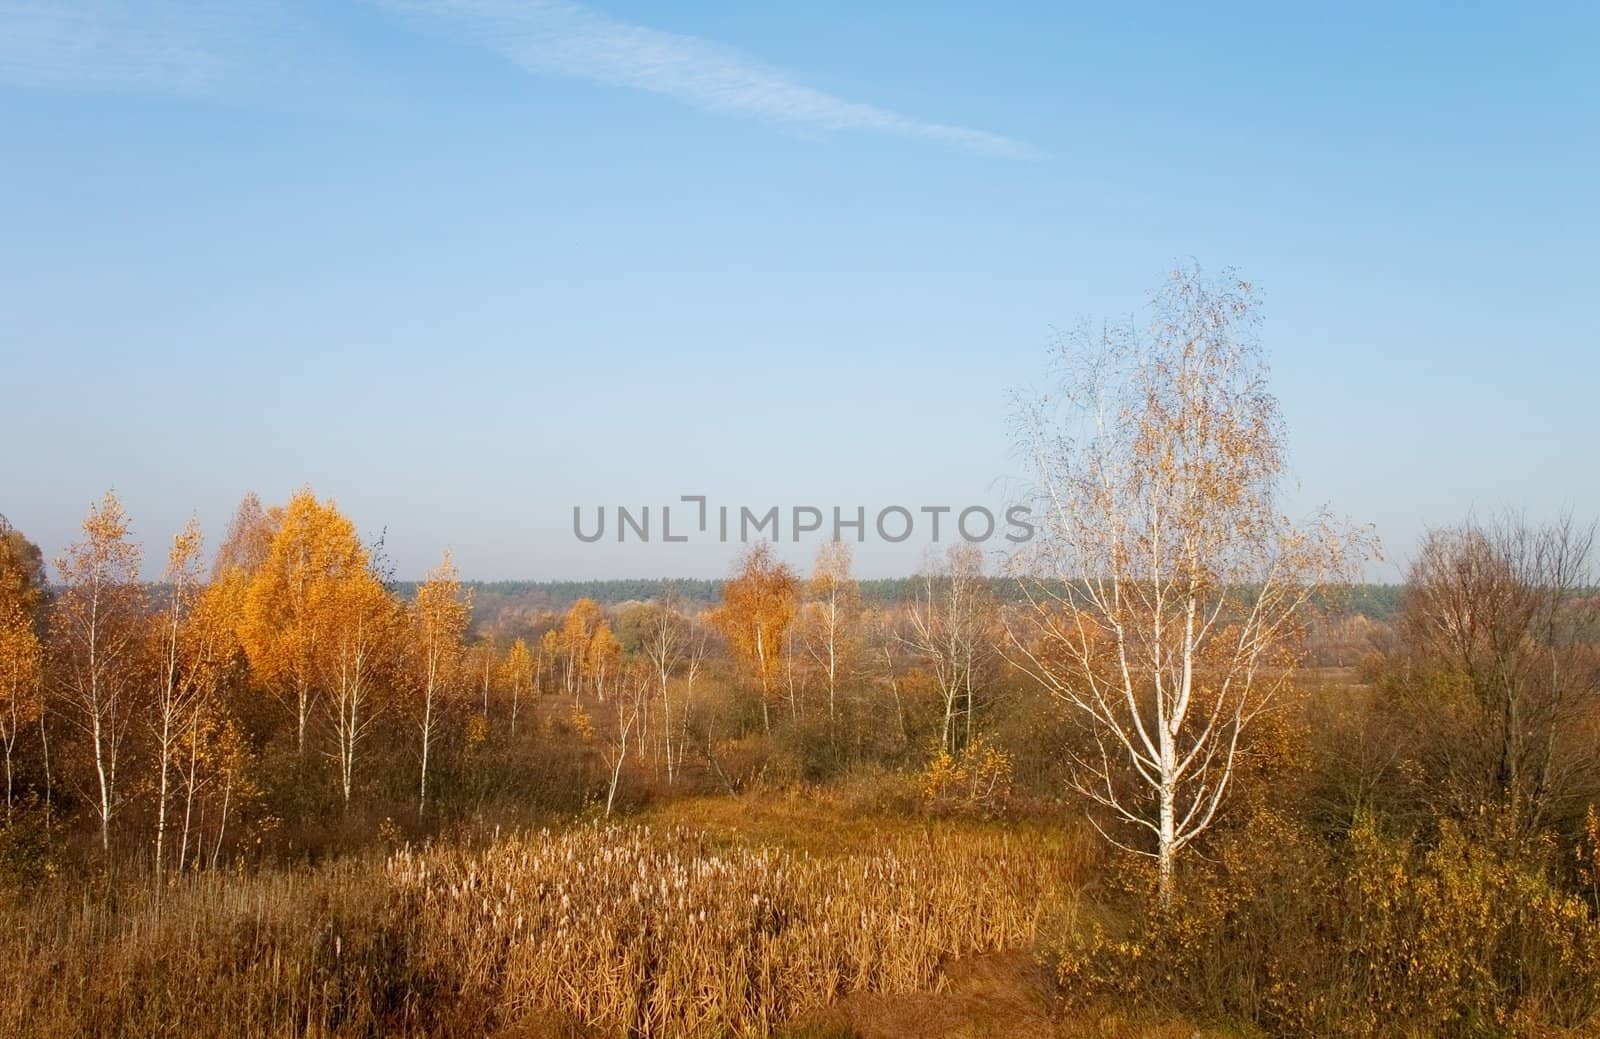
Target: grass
761,915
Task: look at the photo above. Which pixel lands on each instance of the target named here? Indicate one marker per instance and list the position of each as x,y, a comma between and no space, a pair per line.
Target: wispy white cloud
251,47
564,38
261,54
150,45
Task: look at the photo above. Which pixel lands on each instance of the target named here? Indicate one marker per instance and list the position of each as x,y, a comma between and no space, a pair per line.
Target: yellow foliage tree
20,670
758,604
21,654
602,657
297,589
212,744
577,628
248,541
517,675
361,625
438,618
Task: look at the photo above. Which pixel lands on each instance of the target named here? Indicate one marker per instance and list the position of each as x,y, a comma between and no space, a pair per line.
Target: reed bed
626,931
648,933
282,953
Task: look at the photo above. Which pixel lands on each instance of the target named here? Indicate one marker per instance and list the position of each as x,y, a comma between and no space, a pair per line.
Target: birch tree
663,643
518,674
439,618
179,679
314,553
210,746
483,662
628,702
831,621
577,629
949,631
21,658
21,653
248,541
96,632
602,657
1165,585
362,622
758,605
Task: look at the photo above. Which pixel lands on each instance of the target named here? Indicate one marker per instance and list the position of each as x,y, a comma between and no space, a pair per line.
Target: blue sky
465,264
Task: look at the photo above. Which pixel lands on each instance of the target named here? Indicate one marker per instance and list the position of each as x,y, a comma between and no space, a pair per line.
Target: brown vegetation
631,930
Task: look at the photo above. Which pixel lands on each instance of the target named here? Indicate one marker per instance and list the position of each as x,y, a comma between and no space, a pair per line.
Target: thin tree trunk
44,745
10,745
766,687
788,666
427,738
968,683
161,800
105,788
8,782
188,793
222,826
616,768
894,687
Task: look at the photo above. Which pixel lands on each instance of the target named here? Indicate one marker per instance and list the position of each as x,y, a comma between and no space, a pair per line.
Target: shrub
31,846
1377,936
975,781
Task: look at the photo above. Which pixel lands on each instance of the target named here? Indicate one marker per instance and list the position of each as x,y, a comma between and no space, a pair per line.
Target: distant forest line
1378,602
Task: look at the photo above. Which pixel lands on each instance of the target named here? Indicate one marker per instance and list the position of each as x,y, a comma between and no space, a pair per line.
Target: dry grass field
765,919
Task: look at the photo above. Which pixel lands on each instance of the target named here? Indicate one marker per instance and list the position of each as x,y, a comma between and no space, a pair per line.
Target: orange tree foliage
20,658
577,629
361,624
294,595
758,605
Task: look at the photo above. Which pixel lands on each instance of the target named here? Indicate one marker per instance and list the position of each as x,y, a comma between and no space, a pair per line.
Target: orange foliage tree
213,747
296,590
20,670
577,628
518,675
758,604
362,625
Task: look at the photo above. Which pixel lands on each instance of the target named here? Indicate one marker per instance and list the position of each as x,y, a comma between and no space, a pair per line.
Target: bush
1375,936
976,781
31,847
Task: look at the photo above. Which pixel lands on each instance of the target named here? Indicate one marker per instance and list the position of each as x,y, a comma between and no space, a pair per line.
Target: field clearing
760,919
